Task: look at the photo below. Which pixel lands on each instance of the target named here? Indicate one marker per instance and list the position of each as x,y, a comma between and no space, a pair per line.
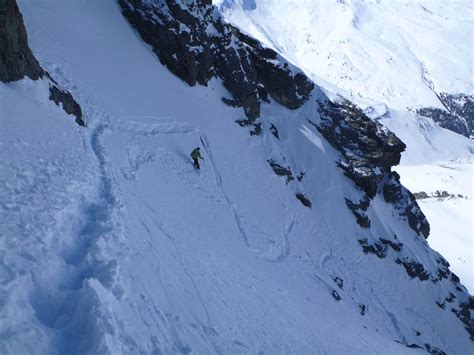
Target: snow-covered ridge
136,252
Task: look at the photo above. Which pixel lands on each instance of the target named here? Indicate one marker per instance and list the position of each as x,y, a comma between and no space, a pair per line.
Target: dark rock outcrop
359,209
67,102
463,312
414,269
404,201
393,245
194,43
257,129
281,170
304,200
16,58
457,115
368,149
376,248
336,295
339,282
274,131
368,152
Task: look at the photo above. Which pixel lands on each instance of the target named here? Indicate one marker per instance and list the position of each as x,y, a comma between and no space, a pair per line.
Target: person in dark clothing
196,155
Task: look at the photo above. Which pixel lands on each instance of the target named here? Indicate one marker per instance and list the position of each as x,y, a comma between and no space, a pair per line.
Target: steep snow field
389,56
115,244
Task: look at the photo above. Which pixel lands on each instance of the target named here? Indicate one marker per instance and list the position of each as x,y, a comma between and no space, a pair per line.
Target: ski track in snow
82,263
166,125
66,301
209,330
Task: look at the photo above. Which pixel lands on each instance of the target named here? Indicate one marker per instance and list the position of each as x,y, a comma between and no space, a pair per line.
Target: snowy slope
115,244
390,57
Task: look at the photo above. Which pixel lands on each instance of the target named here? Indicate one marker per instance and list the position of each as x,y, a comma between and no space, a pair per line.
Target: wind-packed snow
391,57
113,243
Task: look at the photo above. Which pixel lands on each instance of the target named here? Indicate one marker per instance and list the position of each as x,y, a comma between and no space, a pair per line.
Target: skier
196,154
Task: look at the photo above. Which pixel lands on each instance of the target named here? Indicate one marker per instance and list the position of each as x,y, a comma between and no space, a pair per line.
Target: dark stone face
16,59
68,103
369,150
304,200
404,201
195,44
281,170
359,209
414,269
457,115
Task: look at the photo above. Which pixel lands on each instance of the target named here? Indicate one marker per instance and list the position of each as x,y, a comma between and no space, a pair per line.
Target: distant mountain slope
399,53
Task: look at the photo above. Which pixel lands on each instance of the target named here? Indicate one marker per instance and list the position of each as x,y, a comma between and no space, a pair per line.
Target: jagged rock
274,131
434,350
281,171
376,248
457,115
464,314
413,346
300,176
359,209
429,348
368,149
395,246
304,200
405,202
244,123
16,59
362,309
336,295
257,129
67,102
443,269
289,89
413,269
230,102
339,282
194,43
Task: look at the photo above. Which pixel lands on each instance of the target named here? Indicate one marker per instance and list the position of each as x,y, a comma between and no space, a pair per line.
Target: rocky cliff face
368,152
457,115
191,39
17,60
